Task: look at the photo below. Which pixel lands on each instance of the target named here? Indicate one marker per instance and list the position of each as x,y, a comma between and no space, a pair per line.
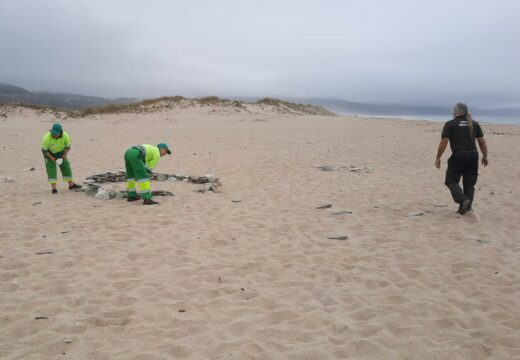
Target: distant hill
210,104
15,94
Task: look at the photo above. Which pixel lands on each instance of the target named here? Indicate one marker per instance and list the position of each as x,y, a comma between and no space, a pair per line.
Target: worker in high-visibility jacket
140,160
55,147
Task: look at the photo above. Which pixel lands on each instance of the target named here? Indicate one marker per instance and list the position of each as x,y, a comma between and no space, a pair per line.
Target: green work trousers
136,172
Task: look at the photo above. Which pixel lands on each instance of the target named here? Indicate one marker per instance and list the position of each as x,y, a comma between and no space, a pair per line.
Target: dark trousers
462,163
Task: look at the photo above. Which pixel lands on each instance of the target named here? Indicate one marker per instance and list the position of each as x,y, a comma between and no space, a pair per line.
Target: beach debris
41,318
236,200
338,237
6,179
31,169
182,310
102,194
324,206
37,203
354,169
342,212
44,253
65,232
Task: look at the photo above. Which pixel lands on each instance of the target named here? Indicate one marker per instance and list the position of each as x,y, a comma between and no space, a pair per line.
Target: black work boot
464,206
150,202
74,186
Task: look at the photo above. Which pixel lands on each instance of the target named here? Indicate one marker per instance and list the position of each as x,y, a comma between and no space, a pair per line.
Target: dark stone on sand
31,169
324,206
338,237
419,213
37,203
44,253
342,212
484,241
182,310
41,318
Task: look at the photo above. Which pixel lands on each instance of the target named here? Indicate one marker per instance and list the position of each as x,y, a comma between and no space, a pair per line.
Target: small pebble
182,310
44,253
37,203
41,318
236,200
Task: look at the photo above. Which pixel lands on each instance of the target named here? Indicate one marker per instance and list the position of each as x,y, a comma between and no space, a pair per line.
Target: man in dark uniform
461,133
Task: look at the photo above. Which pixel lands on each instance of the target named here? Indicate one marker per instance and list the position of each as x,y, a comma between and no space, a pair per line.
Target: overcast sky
391,51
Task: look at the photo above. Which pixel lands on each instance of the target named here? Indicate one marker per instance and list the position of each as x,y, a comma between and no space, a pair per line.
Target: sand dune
205,277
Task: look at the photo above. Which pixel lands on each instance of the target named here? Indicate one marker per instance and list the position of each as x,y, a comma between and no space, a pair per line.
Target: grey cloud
385,51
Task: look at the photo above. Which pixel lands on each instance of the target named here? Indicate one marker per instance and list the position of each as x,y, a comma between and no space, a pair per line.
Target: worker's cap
56,129
164,146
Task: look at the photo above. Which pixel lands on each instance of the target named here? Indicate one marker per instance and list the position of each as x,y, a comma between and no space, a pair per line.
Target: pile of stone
93,187
120,176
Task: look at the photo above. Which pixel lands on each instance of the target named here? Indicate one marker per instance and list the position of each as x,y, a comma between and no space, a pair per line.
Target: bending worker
55,148
139,162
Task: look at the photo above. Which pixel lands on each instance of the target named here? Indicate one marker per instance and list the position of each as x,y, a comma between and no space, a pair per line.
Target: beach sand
250,272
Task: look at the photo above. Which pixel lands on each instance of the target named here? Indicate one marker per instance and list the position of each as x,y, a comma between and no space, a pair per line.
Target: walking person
55,147
461,133
139,163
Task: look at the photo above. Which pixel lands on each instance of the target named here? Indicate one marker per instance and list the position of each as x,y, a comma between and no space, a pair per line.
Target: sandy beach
251,272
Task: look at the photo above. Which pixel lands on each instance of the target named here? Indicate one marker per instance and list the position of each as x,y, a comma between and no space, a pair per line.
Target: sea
509,120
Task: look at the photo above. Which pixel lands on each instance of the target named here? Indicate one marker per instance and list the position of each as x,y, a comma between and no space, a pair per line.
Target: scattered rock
236,200
112,194
208,187
64,232
440,205
182,310
342,212
32,169
324,206
37,203
484,241
354,169
41,318
338,237
6,179
44,253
